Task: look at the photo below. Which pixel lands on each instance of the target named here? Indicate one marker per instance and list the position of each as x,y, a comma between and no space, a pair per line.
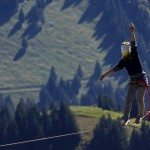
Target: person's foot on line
137,120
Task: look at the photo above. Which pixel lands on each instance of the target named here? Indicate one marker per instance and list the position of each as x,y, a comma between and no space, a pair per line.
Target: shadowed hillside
40,35
37,34
112,19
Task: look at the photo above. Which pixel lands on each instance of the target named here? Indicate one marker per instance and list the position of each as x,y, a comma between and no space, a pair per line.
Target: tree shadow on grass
21,51
43,3
19,54
31,31
7,10
35,19
69,3
94,9
18,25
111,29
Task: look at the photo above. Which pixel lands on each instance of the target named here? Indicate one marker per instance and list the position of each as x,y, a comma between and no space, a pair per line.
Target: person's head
125,48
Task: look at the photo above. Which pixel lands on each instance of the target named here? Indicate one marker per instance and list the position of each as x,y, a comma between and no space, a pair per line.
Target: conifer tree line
27,123
70,91
56,91
110,134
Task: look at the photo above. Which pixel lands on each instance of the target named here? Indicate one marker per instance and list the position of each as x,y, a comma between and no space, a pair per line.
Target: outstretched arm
107,73
132,30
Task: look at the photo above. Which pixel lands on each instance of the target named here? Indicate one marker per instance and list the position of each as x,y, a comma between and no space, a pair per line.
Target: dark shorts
139,80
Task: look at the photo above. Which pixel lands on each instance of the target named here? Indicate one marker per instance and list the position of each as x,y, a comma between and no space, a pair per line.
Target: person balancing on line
138,80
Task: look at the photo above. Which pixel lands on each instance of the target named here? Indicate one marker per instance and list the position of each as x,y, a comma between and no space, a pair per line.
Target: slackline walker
138,78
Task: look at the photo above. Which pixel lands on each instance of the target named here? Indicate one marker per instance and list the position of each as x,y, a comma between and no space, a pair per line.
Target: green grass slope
88,117
62,43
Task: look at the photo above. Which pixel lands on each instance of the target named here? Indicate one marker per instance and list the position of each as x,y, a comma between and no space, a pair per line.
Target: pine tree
70,94
4,122
52,83
62,84
35,129
46,123
66,125
105,103
12,132
109,134
76,84
2,101
95,75
135,140
79,72
97,71
86,100
10,106
100,139
91,97
53,74
61,96
69,90
45,100
21,120
145,133
94,88
117,137
56,124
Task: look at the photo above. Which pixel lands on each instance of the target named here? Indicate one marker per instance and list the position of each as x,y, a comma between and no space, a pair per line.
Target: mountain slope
62,42
66,33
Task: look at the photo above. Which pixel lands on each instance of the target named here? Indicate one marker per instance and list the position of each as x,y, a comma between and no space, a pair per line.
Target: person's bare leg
130,95
141,93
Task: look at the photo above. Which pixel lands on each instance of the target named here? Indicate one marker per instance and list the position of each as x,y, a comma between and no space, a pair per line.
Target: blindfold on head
125,48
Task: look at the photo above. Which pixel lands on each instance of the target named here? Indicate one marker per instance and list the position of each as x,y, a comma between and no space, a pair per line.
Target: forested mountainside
38,34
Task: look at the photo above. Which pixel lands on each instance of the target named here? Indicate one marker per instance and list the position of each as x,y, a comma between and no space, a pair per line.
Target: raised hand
132,27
